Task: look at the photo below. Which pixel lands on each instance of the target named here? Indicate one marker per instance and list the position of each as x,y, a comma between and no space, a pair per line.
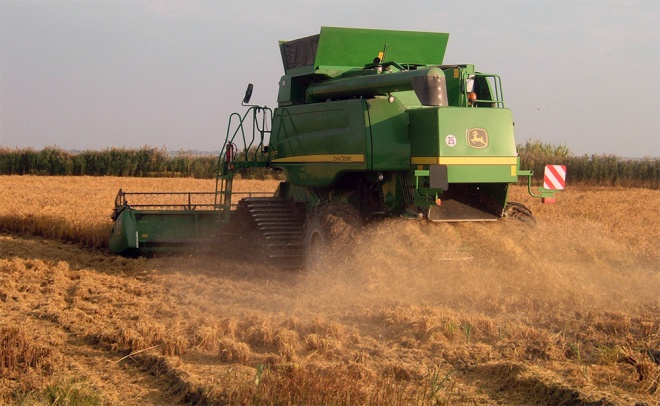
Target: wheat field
415,313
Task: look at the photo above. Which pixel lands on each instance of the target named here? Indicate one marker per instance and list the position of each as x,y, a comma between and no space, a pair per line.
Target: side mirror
248,94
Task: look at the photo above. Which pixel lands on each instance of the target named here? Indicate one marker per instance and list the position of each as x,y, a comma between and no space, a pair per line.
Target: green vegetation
595,170
66,391
146,161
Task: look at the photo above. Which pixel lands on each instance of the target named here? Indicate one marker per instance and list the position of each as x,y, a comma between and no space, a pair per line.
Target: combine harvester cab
370,124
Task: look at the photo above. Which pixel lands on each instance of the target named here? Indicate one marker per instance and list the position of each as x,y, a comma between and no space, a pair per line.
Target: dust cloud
491,268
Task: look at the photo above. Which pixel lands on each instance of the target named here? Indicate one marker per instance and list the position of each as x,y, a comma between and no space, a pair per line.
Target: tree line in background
142,162
597,170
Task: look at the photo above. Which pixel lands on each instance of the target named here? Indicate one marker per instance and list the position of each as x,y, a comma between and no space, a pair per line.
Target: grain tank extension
369,124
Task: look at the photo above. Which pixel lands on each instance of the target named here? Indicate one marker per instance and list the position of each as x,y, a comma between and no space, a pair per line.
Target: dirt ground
414,313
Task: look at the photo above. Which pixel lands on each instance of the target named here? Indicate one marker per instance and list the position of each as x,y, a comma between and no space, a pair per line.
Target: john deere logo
477,138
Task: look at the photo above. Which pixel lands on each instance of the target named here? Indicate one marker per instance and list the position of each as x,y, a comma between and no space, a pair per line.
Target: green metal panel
389,135
156,226
454,79
162,230
442,135
122,237
424,130
480,173
337,50
314,143
357,47
430,127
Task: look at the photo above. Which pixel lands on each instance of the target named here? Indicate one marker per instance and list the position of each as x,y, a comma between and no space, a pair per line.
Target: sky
97,74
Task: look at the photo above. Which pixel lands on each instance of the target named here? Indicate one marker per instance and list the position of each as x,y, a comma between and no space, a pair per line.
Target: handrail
495,92
258,129
257,118
188,202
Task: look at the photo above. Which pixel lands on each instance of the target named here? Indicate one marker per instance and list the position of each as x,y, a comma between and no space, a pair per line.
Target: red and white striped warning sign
554,177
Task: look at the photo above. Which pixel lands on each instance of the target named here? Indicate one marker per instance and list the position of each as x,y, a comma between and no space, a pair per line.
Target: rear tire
329,230
316,242
520,212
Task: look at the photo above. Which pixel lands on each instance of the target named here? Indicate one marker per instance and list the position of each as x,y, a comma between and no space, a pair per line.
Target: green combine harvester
370,124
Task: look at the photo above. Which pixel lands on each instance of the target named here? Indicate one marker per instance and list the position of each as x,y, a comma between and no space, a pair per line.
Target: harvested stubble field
566,313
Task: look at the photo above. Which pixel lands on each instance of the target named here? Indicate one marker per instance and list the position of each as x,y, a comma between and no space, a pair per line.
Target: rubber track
280,228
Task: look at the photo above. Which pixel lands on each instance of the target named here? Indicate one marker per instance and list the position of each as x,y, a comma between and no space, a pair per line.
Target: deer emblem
477,138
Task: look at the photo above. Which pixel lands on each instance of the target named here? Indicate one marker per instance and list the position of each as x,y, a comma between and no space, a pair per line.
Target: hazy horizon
167,74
